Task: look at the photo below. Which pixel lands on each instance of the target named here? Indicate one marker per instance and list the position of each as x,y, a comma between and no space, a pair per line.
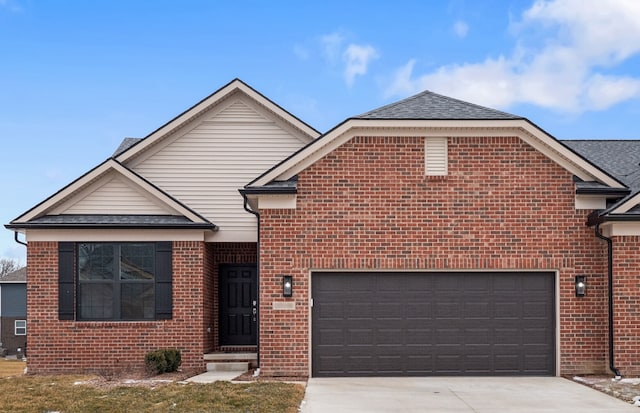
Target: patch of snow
634,381
583,380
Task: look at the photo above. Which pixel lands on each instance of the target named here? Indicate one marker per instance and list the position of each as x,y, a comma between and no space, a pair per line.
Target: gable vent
435,156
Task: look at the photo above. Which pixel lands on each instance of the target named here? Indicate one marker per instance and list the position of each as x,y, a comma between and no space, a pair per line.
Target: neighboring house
13,311
427,237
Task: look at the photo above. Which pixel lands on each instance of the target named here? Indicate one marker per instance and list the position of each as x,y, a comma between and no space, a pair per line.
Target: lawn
68,394
11,368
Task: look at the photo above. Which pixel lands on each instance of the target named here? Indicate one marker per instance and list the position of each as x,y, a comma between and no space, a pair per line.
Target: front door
238,304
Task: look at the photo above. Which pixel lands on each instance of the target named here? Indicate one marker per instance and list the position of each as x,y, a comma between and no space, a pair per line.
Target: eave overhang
112,222
265,190
608,192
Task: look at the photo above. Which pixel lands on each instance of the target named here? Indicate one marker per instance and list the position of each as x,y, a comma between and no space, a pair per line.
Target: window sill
150,324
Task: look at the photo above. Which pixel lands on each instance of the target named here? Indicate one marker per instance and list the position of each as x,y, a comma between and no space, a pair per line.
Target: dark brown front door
238,305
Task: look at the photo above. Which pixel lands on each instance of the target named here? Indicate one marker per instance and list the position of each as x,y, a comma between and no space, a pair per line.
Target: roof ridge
600,140
435,97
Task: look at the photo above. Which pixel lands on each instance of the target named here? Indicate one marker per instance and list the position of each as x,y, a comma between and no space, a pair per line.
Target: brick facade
626,301
368,206
82,346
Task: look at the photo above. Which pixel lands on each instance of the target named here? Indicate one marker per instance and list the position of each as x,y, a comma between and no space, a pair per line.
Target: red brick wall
78,346
368,205
216,254
626,302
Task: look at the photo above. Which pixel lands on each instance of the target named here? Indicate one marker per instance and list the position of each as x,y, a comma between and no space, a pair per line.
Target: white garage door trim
558,325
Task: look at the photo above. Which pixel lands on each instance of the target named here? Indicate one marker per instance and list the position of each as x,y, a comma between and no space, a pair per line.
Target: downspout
612,366
251,211
15,237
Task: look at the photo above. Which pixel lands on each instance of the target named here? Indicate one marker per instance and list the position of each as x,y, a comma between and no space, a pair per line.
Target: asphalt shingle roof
15,276
432,106
125,144
619,158
79,221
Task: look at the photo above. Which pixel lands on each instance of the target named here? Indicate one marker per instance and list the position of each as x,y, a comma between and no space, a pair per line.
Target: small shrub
162,360
174,359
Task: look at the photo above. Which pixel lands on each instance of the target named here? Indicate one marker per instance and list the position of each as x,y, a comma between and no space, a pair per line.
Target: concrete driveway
457,394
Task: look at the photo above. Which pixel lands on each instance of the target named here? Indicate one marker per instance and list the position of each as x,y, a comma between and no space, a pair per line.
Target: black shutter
66,276
164,274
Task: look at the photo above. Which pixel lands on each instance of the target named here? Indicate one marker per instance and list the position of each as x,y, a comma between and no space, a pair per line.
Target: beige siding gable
114,194
204,166
238,111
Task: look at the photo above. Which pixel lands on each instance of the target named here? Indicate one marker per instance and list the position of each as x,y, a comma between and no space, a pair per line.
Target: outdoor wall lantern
581,285
287,285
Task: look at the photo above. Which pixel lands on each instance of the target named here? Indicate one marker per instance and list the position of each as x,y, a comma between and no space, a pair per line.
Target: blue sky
78,76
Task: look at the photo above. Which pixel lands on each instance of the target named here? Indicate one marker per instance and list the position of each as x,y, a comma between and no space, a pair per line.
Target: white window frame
23,327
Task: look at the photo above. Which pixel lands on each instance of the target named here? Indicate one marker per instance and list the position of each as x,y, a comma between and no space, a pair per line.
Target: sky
78,76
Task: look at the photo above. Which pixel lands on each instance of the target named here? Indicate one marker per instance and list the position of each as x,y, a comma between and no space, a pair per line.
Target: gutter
598,234
251,211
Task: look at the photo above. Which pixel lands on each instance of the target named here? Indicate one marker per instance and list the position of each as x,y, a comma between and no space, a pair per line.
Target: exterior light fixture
581,285
287,286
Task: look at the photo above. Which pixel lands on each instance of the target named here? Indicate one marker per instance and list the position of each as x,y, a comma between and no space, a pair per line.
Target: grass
62,394
11,368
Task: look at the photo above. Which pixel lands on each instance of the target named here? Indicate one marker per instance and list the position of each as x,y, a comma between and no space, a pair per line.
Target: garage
429,324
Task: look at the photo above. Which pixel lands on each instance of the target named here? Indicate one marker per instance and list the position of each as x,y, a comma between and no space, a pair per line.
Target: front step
240,362
251,357
238,366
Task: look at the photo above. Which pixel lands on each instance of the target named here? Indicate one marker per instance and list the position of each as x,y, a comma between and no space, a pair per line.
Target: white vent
435,156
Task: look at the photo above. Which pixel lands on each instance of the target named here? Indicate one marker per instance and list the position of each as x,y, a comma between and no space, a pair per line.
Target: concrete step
231,357
239,366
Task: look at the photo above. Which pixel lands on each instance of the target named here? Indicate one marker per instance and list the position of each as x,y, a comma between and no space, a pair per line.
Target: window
435,156
116,281
21,327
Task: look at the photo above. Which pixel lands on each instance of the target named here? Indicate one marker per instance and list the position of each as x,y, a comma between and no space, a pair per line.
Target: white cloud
331,46
357,58
460,29
577,44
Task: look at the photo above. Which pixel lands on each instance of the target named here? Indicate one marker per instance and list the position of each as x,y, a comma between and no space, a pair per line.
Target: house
13,312
430,236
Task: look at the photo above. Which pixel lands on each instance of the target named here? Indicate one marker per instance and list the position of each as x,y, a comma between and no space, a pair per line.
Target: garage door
424,324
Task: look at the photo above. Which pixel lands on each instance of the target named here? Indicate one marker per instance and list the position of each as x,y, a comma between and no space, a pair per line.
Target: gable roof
429,105
431,114
38,217
17,276
205,104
